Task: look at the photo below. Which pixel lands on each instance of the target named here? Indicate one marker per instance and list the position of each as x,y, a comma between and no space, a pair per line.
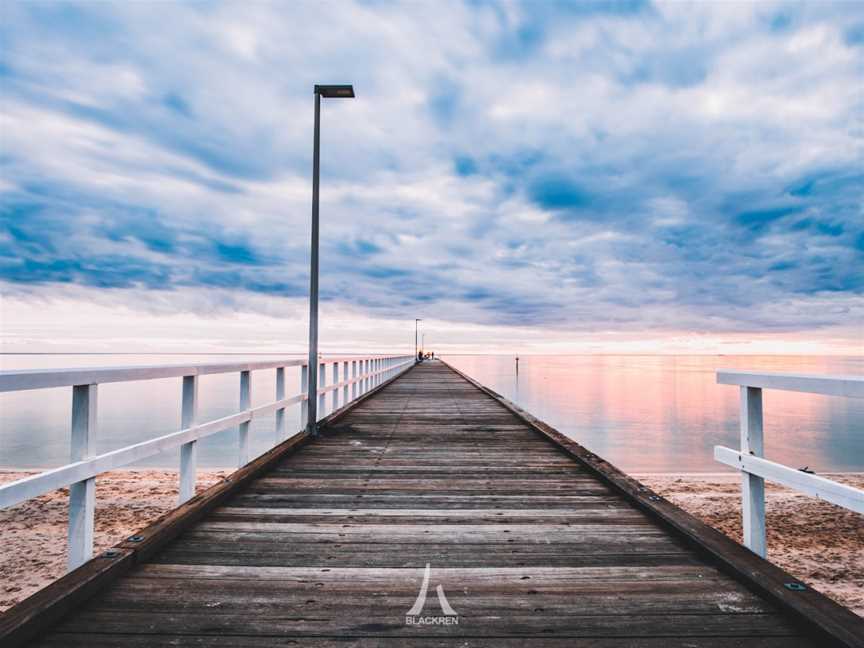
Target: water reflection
665,413
643,413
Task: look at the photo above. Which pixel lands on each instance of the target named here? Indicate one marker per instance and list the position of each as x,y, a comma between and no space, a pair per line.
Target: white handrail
848,386
22,379
366,373
755,469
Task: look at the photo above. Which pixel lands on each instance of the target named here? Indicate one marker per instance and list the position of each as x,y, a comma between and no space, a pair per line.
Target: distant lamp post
330,92
416,322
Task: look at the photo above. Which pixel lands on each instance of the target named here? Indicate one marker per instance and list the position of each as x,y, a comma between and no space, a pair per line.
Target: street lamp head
335,91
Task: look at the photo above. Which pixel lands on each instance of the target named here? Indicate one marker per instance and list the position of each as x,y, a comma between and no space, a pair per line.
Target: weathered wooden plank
416,557
826,618
423,500
71,640
330,546
391,623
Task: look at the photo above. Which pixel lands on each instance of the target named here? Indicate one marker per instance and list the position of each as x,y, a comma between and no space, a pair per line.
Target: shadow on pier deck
533,540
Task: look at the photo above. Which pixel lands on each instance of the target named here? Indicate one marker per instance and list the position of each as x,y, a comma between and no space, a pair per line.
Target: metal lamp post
327,91
416,322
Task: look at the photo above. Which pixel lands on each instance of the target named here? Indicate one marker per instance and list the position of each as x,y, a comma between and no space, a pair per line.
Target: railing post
752,486
354,379
188,451
345,400
304,404
281,433
82,494
245,404
322,383
336,382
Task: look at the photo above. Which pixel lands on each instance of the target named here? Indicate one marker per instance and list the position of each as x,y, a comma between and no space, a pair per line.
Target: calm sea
643,413
666,413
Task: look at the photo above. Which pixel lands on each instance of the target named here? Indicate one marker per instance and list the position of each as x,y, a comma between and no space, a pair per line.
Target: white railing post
752,486
345,400
245,404
336,382
322,382
281,428
304,404
188,451
354,379
82,494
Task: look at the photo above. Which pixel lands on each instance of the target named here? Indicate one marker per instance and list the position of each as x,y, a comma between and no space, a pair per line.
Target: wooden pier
533,540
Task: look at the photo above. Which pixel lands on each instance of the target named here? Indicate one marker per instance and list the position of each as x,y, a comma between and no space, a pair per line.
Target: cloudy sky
524,176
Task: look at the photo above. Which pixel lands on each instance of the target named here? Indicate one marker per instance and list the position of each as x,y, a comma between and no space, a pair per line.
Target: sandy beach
819,543
33,534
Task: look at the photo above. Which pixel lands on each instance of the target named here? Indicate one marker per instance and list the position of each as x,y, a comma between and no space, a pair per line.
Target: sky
529,177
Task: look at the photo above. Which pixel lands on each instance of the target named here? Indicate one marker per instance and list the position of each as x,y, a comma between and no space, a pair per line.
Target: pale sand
821,544
33,534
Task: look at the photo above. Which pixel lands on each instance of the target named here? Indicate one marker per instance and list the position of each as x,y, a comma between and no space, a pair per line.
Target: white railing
755,469
352,376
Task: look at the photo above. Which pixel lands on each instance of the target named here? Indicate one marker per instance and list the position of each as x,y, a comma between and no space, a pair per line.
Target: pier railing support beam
345,397
245,404
322,397
281,427
188,451
304,404
335,382
82,494
752,486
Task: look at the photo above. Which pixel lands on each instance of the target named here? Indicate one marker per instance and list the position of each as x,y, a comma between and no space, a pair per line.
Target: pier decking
528,544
